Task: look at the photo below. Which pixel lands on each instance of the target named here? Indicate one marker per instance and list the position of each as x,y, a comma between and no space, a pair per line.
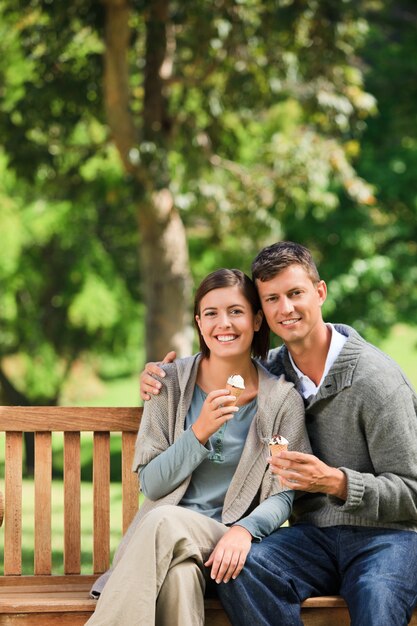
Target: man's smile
290,322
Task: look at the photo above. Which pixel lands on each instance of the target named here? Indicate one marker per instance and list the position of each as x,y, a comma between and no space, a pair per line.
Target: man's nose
285,306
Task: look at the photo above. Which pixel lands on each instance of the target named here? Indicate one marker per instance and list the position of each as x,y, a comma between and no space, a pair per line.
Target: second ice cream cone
277,444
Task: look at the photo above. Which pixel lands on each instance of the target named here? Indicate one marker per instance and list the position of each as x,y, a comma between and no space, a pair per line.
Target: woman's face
227,322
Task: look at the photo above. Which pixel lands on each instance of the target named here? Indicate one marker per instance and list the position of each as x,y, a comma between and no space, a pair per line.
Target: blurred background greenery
144,145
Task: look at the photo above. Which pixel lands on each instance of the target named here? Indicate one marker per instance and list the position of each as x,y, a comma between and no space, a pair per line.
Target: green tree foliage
65,268
389,151
239,119
273,136
68,262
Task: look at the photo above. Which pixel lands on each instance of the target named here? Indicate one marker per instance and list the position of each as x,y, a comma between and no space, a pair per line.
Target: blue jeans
374,570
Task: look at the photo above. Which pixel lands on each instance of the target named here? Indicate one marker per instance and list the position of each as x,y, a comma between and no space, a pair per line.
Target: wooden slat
43,477
13,506
101,489
324,601
37,583
33,603
72,503
326,617
51,418
46,619
130,485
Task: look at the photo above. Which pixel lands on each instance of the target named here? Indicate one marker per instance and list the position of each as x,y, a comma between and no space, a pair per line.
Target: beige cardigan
280,410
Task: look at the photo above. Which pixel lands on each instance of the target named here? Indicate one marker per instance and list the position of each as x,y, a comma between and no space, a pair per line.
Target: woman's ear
258,320
197,319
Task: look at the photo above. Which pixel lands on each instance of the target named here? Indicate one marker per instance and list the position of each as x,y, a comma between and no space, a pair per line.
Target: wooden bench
43,598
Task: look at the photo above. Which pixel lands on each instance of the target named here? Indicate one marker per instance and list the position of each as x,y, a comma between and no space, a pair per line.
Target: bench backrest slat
66,418
13,507
101,482
72,503
130,485
43,478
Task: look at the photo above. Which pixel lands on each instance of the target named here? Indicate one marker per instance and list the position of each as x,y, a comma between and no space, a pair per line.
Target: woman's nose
224,321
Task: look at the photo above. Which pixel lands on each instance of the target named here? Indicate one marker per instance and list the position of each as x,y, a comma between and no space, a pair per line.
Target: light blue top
212,468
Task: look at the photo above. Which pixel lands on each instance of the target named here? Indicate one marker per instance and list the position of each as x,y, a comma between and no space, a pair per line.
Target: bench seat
49,600
64,600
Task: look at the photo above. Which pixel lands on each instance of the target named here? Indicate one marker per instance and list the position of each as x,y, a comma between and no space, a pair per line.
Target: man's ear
258,320
322,291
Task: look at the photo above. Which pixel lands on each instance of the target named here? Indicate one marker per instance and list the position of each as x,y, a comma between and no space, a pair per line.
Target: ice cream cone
236,385
277,444
235,391
273,450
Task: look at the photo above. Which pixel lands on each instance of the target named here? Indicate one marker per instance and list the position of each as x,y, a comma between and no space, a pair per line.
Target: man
354,529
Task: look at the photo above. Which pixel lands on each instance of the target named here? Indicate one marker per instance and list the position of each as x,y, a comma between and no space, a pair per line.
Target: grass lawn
401,345
119,392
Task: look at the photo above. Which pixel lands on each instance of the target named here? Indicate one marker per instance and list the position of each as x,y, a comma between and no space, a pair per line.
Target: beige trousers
160,579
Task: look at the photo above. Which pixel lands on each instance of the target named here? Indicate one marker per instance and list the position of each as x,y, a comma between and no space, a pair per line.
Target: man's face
292,304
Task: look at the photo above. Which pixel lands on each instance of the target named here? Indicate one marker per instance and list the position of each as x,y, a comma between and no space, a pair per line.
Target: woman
202,464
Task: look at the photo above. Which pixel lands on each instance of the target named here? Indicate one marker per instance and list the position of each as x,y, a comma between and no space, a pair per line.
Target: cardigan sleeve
156,431
389,494
167,471
268,516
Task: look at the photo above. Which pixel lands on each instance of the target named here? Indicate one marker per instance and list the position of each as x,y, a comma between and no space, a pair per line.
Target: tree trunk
163,250
166,282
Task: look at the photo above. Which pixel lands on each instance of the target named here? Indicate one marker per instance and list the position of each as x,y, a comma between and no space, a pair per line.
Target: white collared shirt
308,387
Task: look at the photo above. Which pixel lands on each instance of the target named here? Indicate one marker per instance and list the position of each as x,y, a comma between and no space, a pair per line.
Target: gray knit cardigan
363,420
280,410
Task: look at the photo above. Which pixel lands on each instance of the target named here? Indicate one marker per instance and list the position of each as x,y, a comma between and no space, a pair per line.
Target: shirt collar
308,387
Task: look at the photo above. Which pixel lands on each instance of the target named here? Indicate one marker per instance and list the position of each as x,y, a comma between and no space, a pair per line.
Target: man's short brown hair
277,257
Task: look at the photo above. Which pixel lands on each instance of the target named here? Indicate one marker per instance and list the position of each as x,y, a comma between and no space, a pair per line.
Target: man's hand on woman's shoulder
150,386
